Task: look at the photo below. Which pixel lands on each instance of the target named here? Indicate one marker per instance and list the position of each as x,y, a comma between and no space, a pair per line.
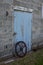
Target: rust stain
14,33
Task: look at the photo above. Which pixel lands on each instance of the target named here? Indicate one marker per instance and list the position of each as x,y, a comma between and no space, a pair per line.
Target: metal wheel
20,49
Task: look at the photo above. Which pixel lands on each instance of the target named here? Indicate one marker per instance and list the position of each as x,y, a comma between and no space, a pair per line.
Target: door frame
23,9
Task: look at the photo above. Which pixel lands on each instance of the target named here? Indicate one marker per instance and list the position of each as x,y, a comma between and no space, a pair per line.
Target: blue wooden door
22,27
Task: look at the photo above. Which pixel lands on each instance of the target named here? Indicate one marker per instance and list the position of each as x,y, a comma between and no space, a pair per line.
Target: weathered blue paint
22,27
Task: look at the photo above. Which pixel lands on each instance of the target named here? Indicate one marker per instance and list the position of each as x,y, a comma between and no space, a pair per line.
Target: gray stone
7,22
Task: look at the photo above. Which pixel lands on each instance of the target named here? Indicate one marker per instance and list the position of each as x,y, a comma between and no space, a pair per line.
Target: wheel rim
21,49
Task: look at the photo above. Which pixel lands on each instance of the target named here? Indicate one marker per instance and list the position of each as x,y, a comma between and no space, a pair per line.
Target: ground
33,58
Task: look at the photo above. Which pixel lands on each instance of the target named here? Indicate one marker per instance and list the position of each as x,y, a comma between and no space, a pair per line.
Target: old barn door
22,27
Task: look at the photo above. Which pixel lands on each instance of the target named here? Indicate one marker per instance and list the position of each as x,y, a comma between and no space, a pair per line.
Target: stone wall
6,22
6,27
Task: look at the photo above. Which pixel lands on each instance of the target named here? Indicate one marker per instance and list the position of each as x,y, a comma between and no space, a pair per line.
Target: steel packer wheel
20,49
